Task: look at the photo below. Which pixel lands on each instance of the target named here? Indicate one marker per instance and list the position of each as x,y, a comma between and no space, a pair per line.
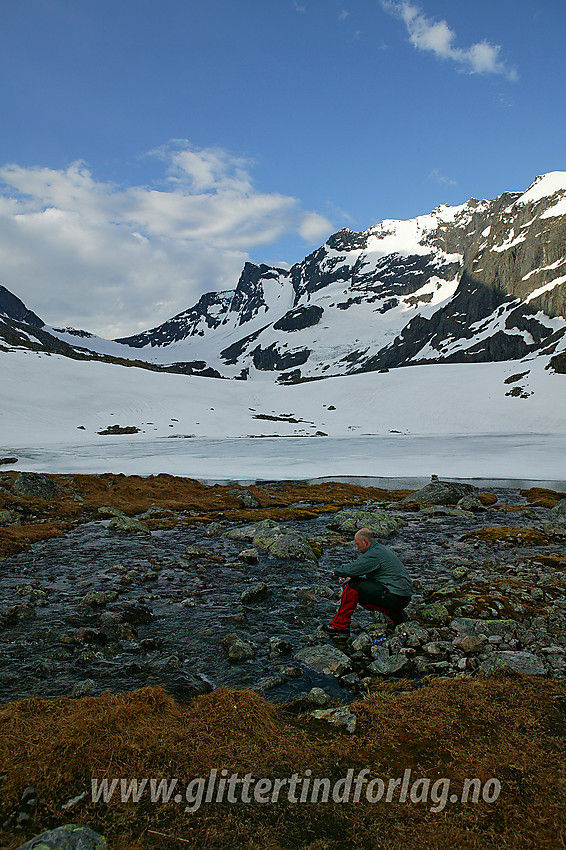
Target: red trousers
348,604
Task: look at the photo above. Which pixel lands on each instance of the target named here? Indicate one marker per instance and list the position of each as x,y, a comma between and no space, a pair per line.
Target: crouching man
377,580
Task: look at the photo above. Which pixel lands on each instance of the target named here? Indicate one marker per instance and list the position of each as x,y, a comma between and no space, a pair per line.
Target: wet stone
238,649
326,659
257,591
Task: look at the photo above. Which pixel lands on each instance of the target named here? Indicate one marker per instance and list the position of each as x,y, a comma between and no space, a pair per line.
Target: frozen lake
516,458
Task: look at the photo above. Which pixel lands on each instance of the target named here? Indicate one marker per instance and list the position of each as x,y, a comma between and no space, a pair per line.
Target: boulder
284,543
438,650
350,521
441,510
324,659
98,598
16,613
558,512
471,626
246,498
442,493
71,836
33,485
416,634
522,662
7,460
181,685
391,665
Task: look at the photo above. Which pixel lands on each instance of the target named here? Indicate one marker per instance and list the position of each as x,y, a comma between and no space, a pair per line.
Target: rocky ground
112,583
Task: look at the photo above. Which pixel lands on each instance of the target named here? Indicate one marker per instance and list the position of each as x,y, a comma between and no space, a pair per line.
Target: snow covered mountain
482,282
485,281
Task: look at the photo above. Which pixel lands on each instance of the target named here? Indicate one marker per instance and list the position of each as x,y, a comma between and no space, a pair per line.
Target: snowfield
453,420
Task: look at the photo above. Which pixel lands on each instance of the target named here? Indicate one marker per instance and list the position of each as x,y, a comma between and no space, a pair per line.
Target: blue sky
148,149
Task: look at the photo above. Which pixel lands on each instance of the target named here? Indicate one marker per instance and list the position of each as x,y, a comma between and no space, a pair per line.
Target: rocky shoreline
235,595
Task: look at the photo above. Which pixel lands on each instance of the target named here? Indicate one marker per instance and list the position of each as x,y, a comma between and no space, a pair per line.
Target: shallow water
188,638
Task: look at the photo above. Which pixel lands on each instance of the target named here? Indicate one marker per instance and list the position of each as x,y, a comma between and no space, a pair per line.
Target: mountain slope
482,282
485,281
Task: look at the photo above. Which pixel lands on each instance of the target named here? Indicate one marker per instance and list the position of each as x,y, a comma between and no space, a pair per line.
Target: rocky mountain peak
478,282
13,308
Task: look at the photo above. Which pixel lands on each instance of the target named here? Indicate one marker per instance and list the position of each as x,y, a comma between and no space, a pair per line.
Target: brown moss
508,726
18,538
83,495
487,498
515,536
542,496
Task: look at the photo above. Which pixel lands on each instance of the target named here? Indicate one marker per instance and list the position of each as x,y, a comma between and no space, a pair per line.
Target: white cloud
438,38
438,177
118,259
314,227
343,15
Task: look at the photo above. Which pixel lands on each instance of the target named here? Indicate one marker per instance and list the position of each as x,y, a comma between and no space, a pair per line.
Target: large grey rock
68,837
246,498
442,493
325,659
392,665
350,521
474,626
284,543
522,662
556,524
33,485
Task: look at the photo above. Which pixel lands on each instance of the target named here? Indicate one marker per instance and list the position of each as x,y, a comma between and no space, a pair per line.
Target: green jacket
380,564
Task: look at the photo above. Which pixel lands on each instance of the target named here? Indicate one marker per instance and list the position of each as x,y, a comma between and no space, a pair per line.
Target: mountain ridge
484,281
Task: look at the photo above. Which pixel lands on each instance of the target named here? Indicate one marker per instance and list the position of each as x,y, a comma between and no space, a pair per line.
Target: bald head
363,539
